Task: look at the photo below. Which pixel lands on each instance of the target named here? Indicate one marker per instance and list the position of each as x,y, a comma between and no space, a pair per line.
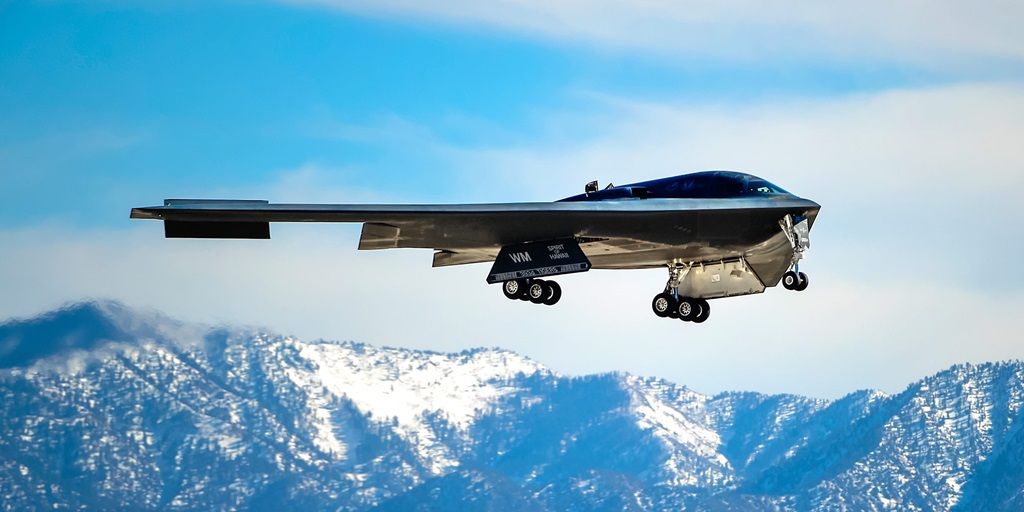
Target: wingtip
143,213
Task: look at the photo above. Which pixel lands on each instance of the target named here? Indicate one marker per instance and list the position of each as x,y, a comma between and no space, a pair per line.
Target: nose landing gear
794,280
798,233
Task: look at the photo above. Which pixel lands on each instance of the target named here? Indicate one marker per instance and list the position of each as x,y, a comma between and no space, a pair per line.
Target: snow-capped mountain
102,407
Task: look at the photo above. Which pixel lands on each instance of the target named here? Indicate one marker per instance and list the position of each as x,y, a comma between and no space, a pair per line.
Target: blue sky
214,96
903,121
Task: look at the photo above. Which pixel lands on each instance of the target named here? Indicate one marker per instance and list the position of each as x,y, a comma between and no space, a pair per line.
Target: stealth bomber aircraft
717,233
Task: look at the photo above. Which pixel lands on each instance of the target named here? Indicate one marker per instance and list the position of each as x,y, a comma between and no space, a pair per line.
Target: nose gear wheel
793,280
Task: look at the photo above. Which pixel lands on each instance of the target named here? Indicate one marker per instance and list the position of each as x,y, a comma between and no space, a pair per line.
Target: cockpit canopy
699,185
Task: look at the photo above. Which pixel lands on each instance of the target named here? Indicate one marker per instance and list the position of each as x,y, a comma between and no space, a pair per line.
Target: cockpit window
699,185
757,186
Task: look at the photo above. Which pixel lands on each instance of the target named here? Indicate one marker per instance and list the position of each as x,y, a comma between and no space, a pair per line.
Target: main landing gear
537,291
669,304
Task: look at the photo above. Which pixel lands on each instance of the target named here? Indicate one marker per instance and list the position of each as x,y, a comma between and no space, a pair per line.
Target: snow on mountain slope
677,418
106,408
408,389
934,436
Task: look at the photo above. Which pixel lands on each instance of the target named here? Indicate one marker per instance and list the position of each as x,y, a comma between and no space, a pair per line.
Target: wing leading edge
719,234
476,232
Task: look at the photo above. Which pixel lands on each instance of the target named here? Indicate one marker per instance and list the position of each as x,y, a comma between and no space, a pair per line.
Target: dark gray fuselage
644,225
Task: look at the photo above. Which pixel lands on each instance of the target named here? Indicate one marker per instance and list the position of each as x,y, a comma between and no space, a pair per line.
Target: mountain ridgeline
102,407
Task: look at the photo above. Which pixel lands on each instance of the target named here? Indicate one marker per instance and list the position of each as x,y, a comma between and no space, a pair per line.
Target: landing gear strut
537,291
668,304
798,234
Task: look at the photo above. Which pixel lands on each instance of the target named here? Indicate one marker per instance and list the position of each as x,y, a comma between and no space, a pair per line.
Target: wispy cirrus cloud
913,260
892,141
23,155
911,181
912,263
932,34
311,282
916,179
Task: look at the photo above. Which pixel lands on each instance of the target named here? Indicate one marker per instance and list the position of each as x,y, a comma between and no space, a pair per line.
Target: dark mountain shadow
82,326
466,491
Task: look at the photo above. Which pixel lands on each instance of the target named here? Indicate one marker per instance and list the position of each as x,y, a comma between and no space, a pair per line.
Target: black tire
790,280
705,311
554,293
802,285
663,304
537,291
687,309
513,289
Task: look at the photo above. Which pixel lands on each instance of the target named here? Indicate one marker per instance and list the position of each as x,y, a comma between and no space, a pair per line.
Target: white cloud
838,336
910,180
33,160
314,182
935,34
913,264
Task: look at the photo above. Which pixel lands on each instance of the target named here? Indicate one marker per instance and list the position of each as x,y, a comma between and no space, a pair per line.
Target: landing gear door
803,234
720,279
538,259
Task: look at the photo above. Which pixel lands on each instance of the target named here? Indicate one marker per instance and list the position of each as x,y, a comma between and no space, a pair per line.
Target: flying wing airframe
718,234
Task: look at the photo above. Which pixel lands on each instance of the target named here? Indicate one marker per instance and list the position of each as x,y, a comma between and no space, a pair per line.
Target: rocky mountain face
102,407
